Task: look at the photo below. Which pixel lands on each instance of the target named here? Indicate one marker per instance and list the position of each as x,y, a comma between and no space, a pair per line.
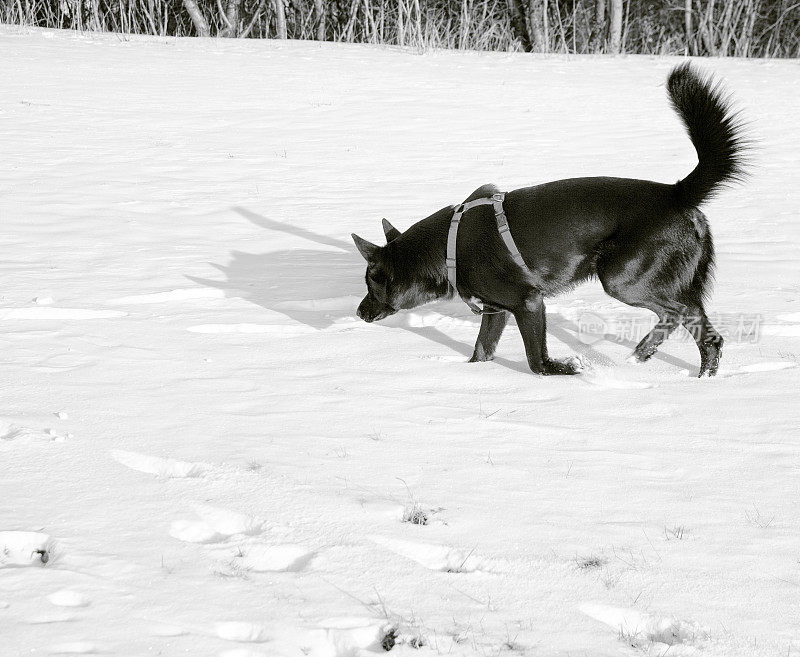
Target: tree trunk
280,19
232,17
707,29
349,30
615,27
420,39
401,36
599,26
198,20
95,16
246,32
537,16
687,24
519,25
319,6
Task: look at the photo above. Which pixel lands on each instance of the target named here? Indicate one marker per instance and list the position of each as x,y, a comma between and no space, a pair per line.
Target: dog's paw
571,365
639,357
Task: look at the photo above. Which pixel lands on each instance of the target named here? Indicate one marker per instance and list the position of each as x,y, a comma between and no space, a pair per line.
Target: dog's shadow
311,286
319,287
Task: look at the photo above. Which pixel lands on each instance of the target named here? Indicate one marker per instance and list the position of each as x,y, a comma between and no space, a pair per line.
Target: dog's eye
378,278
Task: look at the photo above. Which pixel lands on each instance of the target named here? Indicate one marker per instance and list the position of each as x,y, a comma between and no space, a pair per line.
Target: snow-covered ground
214,456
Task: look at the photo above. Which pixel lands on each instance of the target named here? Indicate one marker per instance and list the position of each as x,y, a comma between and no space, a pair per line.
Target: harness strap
496,200
451,245
505,231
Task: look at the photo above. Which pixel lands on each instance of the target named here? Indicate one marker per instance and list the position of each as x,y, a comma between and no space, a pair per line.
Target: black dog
647,242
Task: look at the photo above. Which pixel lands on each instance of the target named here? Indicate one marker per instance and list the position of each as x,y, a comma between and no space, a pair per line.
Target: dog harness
495,200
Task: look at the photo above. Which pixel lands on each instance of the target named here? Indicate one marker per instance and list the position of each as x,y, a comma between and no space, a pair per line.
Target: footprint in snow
10,432
343,637
214,524
436,557
25,549
167,468
638,627
273,558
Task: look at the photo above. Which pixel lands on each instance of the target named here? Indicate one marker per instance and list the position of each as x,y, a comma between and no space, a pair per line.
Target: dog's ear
390,231
366,249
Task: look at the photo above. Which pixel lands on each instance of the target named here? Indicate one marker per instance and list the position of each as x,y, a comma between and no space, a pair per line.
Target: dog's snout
370,311
363,311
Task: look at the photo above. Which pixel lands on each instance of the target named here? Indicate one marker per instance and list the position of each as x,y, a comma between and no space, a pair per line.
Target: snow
205,452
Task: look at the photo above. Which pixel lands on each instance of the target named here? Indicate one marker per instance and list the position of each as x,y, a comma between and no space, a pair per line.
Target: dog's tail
716,133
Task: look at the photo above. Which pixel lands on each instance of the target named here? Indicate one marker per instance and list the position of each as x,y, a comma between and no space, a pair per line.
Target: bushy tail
716,133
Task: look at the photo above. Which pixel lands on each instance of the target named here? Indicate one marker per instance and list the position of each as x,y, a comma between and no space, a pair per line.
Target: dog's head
393,281
379,300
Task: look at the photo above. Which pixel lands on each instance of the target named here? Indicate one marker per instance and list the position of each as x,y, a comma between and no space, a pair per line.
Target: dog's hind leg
532,322
669,318
492,325
708,340
670,313
651,273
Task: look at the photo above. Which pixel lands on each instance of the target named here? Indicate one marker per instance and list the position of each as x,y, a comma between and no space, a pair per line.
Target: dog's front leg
492,325
532,325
